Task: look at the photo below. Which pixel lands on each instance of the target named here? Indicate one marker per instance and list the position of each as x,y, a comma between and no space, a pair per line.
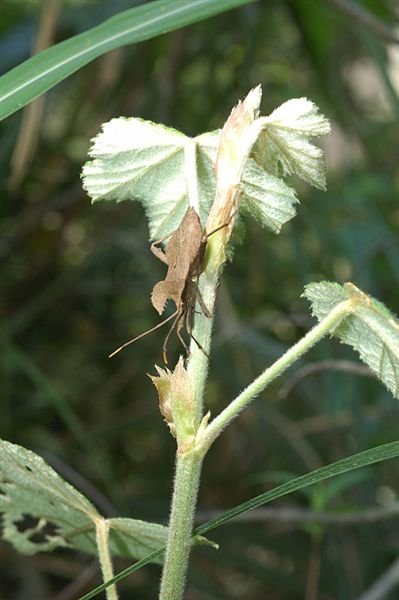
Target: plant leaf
136,159
267,198
371,329
31,490
44,70
169,171
133,538
163,168
350,463
41,512
283,148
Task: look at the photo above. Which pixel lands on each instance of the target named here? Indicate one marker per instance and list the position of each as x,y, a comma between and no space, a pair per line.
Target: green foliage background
76,279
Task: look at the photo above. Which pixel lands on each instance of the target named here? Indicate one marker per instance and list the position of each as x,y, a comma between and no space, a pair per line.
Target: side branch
329,323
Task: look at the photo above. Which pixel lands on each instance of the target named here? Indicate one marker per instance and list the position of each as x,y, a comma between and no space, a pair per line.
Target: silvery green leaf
267,198
133,538
301,116
164,169
283,148
154,162
41,512
370,328
167,171
33,495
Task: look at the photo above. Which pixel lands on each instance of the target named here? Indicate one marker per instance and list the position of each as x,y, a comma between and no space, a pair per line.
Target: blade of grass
355,461
41,72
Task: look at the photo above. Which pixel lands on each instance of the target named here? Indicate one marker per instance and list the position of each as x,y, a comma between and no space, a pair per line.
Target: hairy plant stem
102,538
188,471
188,465
197,367
328,324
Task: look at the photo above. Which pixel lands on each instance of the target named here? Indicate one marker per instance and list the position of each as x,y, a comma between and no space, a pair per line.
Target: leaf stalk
327,325
104,555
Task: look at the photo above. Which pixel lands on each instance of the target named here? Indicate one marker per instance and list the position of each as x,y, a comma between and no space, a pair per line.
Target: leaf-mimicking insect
184,255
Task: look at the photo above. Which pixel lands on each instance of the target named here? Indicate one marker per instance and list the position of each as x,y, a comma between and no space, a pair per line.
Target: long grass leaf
356,461
36,75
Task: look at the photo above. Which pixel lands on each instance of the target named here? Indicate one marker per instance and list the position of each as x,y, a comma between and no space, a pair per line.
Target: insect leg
200,299
183,343
158,252
199,346
188,316
172,327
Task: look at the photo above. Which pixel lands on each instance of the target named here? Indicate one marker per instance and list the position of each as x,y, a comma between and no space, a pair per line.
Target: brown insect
184,255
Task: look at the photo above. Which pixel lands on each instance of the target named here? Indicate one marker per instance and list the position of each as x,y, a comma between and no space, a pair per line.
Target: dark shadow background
76,279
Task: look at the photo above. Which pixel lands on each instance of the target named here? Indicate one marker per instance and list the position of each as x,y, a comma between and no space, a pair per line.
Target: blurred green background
76,280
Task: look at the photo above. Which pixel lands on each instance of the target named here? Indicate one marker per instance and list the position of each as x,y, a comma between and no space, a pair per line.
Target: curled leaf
236,141
235,144
254,153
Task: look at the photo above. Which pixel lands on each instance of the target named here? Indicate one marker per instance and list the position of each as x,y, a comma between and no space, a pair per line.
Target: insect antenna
146,333
182,341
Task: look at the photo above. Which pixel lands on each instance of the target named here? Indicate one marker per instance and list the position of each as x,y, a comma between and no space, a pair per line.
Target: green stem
197,367
188,472
102,538
188,466
330,322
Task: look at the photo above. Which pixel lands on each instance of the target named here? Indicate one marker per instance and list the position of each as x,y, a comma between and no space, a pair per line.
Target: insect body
184,255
